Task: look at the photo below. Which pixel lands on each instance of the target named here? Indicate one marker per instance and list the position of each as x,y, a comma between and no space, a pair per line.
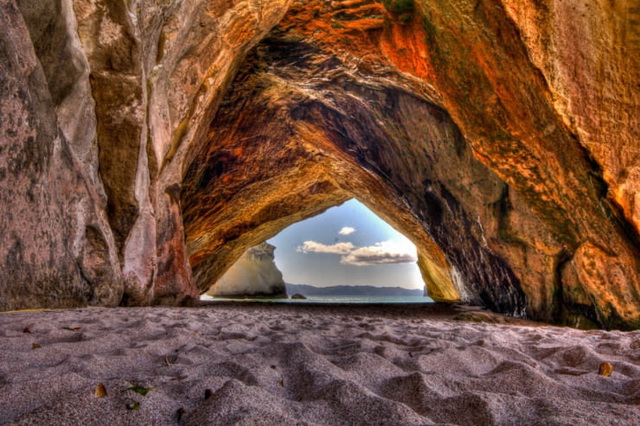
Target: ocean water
331,299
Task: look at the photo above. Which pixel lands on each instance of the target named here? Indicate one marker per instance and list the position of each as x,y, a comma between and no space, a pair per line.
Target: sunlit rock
255,274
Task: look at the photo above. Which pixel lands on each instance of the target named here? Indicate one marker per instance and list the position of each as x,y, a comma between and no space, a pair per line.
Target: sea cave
149,148
147,145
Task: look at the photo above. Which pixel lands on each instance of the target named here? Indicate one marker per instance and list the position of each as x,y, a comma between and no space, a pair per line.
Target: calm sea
333,299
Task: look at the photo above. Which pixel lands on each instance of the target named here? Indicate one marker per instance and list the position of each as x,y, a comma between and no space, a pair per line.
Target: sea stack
255,274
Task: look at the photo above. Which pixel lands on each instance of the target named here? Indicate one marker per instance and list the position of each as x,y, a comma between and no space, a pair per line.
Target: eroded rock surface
56,247
146,145
502,203
255,274
109,79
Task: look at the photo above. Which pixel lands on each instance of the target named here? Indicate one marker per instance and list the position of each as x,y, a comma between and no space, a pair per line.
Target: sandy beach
285,364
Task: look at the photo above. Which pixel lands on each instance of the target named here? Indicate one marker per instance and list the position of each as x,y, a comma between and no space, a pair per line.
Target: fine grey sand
284,364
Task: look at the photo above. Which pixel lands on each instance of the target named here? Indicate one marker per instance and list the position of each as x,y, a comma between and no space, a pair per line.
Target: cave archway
306,124
504,148
294,137
347,253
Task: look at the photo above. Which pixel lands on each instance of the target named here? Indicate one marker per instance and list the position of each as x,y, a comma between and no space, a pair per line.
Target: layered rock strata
147,144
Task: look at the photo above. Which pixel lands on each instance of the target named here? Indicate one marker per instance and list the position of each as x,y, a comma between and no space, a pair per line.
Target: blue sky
346,245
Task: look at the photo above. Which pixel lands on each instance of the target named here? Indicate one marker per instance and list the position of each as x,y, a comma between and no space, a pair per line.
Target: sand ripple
280,365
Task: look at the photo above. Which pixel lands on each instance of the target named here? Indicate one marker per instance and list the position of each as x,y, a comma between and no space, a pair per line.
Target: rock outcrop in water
146,145
255,274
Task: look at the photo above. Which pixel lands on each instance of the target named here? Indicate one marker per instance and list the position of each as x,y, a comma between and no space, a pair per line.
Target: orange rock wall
589,56
549,212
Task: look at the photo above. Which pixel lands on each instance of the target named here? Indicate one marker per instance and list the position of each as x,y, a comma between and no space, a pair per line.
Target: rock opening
346,253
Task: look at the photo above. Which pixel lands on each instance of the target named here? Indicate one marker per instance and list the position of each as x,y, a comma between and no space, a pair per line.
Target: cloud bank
347,230
315,247
383,253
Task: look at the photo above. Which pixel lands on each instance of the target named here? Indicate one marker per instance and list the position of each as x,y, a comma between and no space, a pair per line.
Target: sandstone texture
255,274
56,245
146,145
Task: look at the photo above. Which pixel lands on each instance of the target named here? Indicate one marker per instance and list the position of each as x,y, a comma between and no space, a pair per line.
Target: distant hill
352,290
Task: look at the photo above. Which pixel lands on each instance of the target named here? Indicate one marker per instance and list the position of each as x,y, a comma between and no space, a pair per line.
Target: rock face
100,113
146,145
255,274
56,245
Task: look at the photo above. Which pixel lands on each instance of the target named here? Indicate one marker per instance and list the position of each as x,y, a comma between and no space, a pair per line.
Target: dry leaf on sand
100,391
606,369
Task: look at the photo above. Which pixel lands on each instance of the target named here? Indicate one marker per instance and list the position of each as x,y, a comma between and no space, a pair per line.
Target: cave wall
147,144
126,88
56,244
518,131
589,56
158,70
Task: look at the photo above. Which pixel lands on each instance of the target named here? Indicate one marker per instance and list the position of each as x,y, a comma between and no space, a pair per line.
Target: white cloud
315,247
347,230
386,252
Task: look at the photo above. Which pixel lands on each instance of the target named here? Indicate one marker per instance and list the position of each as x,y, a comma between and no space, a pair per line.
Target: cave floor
310,364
